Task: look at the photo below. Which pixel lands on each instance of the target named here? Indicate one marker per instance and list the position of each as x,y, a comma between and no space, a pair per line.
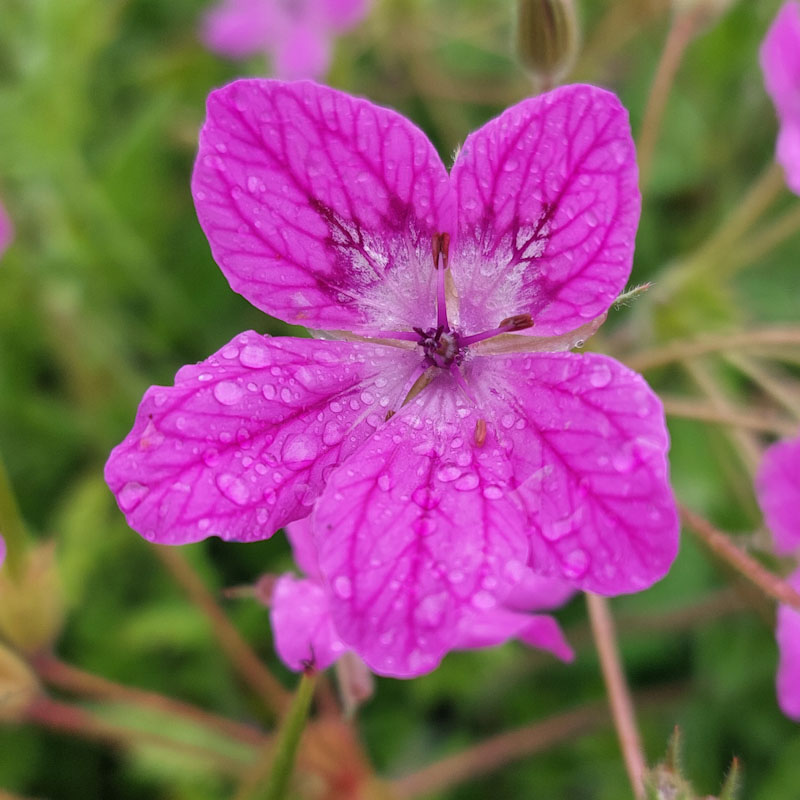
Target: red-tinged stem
681,32
619,695
78,681
241,655
497,751
71,719
721,545
773,384
441,255
686,408
690,348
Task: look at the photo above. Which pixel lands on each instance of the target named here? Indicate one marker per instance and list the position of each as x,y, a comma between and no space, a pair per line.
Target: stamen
462,384
441,249
519,322
419,379
407,336
480,432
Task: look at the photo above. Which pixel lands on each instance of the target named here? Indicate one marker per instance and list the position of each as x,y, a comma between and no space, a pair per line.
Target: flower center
441,347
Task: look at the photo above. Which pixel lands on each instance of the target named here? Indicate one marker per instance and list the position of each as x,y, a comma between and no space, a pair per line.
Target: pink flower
780,62
302,621
2,550
778,489
297,33
442,448
6,230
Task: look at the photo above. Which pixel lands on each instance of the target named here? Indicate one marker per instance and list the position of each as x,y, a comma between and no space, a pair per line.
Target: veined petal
416,530
304,547
302,626
320,208
778,490
593,437
788,675
244,441
548,206
501,624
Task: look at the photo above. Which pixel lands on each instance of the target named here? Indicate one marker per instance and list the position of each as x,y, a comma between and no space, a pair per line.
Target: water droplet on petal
600,376
343,587
483,600
227,393
131,494
492,492
576,564
299,451
254,357
233,488
467,483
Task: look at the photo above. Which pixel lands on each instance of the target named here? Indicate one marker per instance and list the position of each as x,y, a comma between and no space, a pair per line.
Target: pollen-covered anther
480,432
440,247
518,322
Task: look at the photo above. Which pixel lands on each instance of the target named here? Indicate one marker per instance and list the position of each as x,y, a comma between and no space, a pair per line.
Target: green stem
12,528
270,780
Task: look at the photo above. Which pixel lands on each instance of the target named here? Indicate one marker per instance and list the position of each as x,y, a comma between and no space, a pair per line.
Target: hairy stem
680,34
721,545
270,779
241,655
704,412
618,692
786,335
78,681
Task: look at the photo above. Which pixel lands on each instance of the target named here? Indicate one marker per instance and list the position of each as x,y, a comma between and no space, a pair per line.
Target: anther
480,432
440,247
519,322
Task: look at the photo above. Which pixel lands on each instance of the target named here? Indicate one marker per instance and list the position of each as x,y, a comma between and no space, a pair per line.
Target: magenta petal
6,230
499,625
788,675
304,51
320,208
539,593
304,547
2,550
239,28
548,207
780,62
601,508
415,531
343,14
244,441
302,626
778,489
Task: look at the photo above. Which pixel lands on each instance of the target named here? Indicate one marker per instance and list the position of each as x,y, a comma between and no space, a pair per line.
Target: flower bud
31,610
18,686
547,38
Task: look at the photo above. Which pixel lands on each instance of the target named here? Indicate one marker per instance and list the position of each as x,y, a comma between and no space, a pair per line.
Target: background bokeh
109,286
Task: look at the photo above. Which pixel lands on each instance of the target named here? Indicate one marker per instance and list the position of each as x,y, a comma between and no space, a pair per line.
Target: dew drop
492,492
233,488
299,450
483,600
600,377
467,482
227,393
343,587
131,494
254,357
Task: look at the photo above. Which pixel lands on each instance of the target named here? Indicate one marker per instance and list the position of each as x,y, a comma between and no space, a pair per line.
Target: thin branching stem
723,547
242,656
72,679
619,695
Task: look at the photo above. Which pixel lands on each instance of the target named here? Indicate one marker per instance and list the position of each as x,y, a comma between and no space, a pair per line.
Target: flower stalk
619,695
271,779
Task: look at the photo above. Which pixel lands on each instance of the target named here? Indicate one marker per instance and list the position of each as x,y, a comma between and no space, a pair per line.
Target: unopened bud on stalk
31,610
547,38
18,686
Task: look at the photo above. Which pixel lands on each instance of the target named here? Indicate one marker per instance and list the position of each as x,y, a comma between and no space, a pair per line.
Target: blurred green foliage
109,287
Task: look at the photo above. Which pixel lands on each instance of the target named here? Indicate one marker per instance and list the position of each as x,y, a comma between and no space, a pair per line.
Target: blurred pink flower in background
300,612
2,550
441,447
780,62
6,230
778,489
297,34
